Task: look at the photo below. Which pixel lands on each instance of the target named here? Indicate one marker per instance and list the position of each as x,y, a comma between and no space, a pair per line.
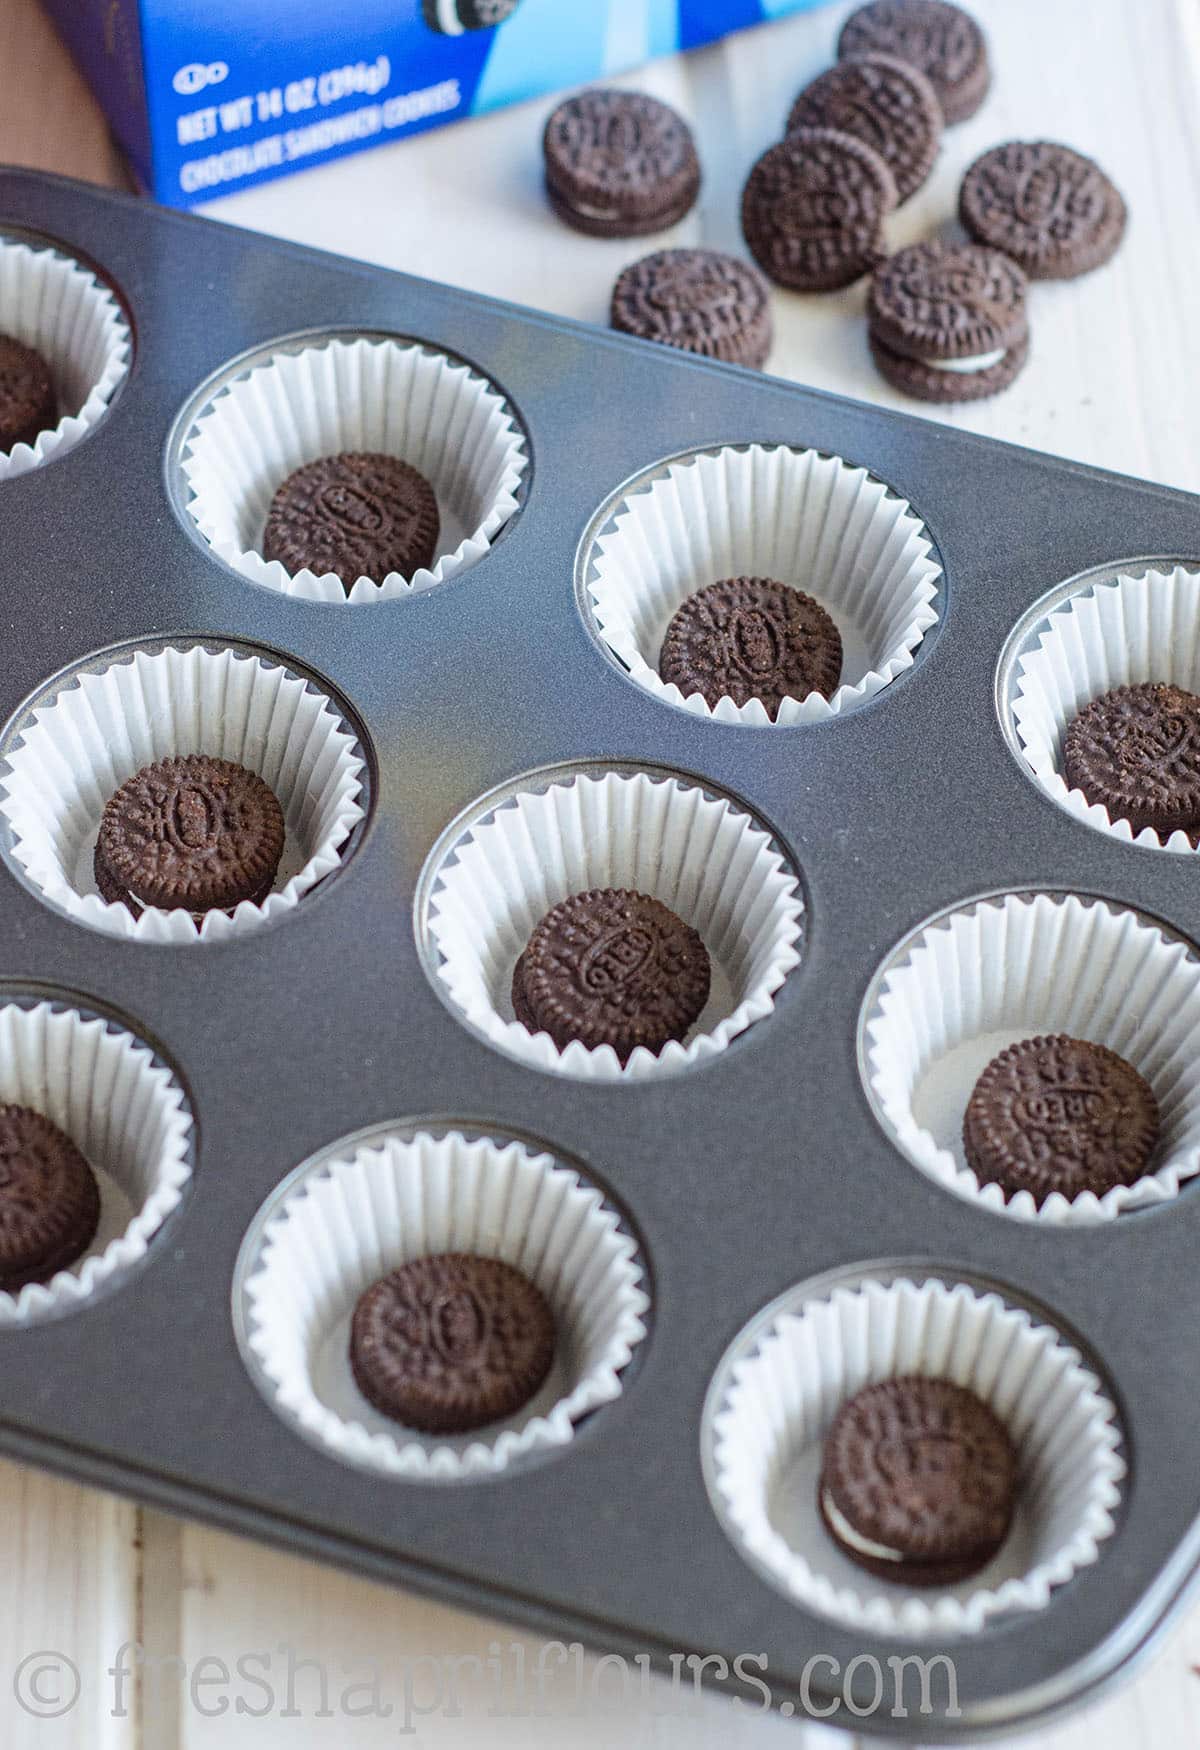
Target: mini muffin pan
762,1172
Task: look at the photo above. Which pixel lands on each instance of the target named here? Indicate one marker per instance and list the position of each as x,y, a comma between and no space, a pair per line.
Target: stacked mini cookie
947,318
621,164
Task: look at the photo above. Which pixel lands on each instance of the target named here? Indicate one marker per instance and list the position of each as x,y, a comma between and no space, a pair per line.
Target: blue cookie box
211,96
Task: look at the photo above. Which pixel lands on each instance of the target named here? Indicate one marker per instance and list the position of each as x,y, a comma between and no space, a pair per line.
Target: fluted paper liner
1116,634
57,305
380,395
344,1225
126,1114
999,971
103,727
706,859
810,521
767,1432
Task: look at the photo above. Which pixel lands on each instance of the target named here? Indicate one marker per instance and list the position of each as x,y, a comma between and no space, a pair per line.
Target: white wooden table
1112,380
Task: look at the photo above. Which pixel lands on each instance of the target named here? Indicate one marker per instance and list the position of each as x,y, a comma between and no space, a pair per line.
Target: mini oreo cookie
611,967
943,383
751,638
698,300
1050,208
358,514
1060,1114
450,1343
619,163
947,320
883,101
49,1199
941,41
813,209
453,17
918,1481
1136,752
189,833
28,404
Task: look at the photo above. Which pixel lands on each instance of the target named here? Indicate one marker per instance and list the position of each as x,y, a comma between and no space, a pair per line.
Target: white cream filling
587,212
845,1533
448,19
982,361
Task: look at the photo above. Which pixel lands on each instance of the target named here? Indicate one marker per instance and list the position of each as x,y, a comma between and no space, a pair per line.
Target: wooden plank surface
69,1599
1109,382
1110,351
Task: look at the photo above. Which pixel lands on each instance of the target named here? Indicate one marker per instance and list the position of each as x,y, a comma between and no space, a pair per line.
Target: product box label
208,97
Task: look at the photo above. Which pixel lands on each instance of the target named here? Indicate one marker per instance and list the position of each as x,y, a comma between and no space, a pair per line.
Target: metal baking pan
761,1169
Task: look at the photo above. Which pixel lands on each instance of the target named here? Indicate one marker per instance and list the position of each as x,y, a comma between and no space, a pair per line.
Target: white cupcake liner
102,726
52,303
765,1430
811,521
126,1114
706,859
362,394
1113,634
343,1223
979,979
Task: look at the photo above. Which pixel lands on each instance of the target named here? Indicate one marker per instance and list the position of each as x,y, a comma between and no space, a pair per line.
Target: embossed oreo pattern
924,1469
698,300
947,300
28,405
359,514
1136,752
942,41
619,163
192,833
49,1199
612,967
883,101
449,1343
1050,208
813,209
1060,1114
751,638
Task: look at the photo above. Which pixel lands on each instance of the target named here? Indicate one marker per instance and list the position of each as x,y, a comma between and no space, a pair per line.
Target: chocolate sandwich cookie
885,102
699,301
611,967
450,1343
49,1199
192,834
918,1481
1059,1114
1136,752
28,404
359,514
751,638
453,17
1050,208
619,164
813,209
521,1010
942,41
947,320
